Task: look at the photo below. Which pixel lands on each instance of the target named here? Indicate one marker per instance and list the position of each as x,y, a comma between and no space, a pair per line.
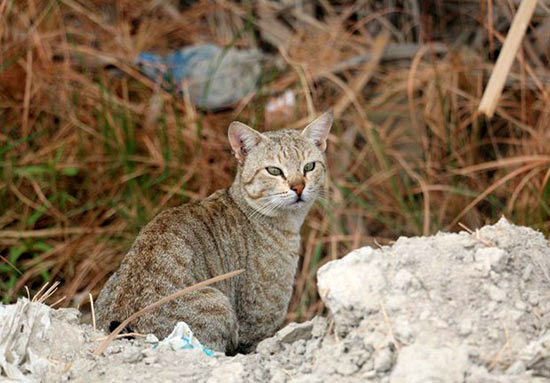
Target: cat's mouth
298,201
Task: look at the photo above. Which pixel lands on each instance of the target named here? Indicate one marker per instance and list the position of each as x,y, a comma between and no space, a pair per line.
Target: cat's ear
317,131
242,139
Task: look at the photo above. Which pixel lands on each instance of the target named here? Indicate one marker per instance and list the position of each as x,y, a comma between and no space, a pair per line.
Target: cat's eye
309,167
274,171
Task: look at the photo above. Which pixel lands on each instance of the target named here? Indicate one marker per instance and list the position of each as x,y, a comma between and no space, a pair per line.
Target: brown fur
253,225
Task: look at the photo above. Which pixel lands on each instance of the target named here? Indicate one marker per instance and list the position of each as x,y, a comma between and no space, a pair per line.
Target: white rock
493,257
497,294
421,363
383,360
353,282
151,338
227,373
295,331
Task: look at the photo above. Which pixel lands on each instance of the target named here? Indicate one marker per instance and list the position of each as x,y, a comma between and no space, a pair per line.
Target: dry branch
506,58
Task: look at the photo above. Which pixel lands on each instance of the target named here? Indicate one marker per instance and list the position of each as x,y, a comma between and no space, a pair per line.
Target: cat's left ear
242,139
318,130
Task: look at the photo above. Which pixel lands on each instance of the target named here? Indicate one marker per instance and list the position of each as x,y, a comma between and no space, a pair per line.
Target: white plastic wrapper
182,338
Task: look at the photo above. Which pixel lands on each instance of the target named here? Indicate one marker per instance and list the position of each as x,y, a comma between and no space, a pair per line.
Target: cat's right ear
242,139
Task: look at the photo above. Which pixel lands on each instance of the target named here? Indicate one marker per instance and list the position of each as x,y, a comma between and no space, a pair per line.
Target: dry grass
91,150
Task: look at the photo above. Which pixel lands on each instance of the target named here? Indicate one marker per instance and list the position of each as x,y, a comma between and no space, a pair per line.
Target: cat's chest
270,266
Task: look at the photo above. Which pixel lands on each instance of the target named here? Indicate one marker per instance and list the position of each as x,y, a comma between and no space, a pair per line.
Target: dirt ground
466,307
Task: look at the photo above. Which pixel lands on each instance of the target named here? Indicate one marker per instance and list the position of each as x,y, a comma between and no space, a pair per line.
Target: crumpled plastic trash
182,338
216,77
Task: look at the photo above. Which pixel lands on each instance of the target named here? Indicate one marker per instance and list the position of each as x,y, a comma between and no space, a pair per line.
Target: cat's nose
298,188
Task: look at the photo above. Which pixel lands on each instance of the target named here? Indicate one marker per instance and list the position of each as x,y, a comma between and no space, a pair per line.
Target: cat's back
193,230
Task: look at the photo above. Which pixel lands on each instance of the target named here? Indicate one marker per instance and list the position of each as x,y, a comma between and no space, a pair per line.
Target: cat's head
281,170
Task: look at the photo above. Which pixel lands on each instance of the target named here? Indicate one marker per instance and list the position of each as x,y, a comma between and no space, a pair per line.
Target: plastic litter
280,109
182,338
215,77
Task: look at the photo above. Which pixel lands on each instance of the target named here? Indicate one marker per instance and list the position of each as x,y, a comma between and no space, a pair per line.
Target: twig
39,291
160,302
498,356
477,235
465,228
27,96
504,62
58,301
11,264
92,307
41,233
48,293
390,328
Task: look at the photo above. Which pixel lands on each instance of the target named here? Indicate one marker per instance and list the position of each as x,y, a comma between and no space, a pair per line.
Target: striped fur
255,225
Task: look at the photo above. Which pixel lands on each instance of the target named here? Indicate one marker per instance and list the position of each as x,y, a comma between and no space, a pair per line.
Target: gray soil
447,308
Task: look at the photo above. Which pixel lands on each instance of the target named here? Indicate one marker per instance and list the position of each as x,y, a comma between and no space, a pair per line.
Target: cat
253,225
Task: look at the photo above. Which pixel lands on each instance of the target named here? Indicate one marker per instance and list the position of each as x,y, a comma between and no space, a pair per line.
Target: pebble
151,338
383,360
295,331
497,294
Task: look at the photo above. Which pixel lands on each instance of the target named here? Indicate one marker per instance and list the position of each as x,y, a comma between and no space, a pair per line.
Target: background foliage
91,150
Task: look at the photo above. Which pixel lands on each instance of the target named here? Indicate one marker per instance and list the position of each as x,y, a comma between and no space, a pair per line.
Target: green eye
309,167
274,171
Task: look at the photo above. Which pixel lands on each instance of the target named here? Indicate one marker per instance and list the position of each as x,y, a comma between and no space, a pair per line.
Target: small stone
493,257
148,352
312,345
516,368
268,346
114,349
497,294
491,306
404,280
305,368
425,314
520,306
294,332
227,373
527,272
469,257
370,374
278,376
396,303
300,347
346,367
419,363
151,338
403,331
150,359
533,297
465,328
383,360
132,356
307,379
319,326
375,340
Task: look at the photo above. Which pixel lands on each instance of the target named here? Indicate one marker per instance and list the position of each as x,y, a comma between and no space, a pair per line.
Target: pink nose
298,188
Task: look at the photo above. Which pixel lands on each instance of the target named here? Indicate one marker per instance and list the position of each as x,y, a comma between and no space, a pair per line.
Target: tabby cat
253,225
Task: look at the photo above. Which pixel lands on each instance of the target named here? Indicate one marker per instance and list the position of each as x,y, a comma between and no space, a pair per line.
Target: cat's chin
297,205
